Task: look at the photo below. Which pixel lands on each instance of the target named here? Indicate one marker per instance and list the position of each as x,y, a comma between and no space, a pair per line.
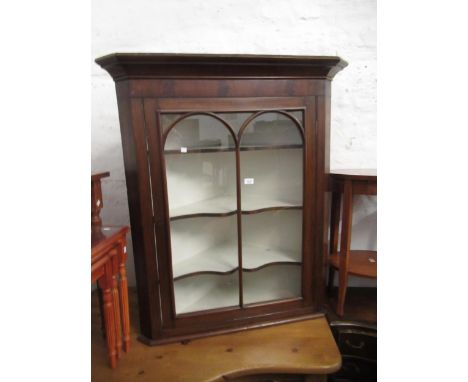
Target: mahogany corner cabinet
226,163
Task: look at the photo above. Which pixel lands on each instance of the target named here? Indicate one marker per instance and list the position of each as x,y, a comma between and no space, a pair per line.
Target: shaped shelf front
271,236
272,178
201,184
222,259
227,205
204,244
218,205
258,203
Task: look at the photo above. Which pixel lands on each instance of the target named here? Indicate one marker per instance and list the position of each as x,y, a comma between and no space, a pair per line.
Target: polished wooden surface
369,174
363,263
166,65
344,184
305,347
150,84
108,256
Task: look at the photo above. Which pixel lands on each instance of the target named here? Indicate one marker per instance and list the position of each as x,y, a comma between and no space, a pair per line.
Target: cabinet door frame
224,318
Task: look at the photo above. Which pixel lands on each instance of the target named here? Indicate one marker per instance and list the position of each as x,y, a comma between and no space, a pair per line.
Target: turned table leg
334,234
118,328
123,289
115,296
345,245
109,319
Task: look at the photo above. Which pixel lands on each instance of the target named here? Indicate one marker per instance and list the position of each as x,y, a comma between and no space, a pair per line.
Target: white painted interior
341,27
210,243
204,244
274,282
271,236
206,291
201,182
277,176
209,291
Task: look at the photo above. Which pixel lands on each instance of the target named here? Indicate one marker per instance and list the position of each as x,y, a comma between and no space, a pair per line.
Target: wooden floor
360,305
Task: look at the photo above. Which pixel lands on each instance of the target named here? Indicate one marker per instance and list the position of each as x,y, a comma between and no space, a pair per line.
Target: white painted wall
323,27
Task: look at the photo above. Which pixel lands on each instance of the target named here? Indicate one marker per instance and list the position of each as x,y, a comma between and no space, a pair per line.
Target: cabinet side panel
139,198
323,194
161,212
309,270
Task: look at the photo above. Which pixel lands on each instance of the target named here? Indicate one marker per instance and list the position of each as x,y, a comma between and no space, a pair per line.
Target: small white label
125,249
371,260
98,203
248,180
183,149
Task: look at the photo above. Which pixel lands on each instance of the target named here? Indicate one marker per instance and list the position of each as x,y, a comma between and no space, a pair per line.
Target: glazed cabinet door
230,209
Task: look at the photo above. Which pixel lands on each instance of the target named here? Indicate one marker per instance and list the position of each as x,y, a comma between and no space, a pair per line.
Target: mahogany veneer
188,90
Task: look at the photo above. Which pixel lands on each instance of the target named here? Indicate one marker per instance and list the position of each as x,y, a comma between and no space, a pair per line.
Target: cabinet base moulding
185,339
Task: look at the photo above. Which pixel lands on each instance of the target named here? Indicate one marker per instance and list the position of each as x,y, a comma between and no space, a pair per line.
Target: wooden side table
361,263
96,198
108,256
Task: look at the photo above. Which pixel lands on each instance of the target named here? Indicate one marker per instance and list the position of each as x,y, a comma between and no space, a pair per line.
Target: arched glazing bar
192,130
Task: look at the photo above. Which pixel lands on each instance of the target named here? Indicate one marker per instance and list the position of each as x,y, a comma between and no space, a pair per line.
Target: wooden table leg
345,245
334,234
106,285
115,296
123,289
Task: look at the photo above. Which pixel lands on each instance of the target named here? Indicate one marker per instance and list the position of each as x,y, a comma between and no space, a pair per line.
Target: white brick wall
323,27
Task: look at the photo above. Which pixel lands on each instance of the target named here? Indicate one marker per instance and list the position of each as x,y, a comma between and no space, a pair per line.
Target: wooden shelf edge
220,273
203,215
243,212
232,149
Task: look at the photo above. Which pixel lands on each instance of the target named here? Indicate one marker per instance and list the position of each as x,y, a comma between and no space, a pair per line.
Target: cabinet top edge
123,66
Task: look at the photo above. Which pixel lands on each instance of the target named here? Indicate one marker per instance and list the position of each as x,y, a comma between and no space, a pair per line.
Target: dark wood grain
124,66
151,84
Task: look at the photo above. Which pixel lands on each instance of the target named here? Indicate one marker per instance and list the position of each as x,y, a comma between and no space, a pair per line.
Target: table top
355,174
103,238
304,347
99,176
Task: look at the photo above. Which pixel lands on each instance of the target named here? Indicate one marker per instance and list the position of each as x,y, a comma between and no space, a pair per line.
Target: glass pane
167,120
204,244
201,183
206,291
271,129
299,115
199,132
271,171
275,282
271,178
271,237
235,120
